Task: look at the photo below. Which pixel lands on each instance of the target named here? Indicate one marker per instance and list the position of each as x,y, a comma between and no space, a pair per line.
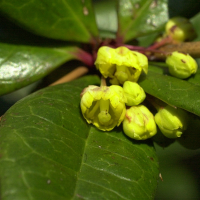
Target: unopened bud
180,29
181,65
134,93
142,60
103,106
139,123
171,121
120,64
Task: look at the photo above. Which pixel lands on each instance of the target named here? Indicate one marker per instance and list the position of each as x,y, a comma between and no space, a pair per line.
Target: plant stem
192,48
103,81
76,73
84,57
156,103
164,41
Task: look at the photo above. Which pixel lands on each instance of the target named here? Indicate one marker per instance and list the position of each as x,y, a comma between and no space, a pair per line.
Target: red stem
84,57
161,43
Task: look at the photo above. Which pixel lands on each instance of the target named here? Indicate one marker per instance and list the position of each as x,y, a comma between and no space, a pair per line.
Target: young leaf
141,17
60,19
176,92
48,151
21,65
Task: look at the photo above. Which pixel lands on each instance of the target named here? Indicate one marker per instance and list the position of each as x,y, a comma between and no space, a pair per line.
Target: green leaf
161,68
48,151
57,19
176,92
195,22
141,17
21,65
195,79
148,40
106,17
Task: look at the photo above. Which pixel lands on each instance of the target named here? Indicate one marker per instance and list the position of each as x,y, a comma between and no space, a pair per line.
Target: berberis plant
54,147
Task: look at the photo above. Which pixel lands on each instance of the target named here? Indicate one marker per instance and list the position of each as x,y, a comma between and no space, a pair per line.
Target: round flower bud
171,121
180,29
103,106
142,60
120,64
181,65
139,123
103,61
134,93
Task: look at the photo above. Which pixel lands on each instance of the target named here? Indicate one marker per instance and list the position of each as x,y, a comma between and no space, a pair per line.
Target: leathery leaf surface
48,151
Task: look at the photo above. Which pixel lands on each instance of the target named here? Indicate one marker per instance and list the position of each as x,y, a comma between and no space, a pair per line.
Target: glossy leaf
106,17
176,92
158,67
141,17
21,65
161,68
57,19
48,151
195,79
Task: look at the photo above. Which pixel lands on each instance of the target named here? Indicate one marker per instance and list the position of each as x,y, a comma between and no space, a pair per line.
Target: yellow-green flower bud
134,93
139,123
114,81
180,29
103,106
142,60
120,64
181,65
103,61
171,121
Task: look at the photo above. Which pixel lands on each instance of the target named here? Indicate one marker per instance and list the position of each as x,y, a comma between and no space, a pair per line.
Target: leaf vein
37,153
113,191
110,173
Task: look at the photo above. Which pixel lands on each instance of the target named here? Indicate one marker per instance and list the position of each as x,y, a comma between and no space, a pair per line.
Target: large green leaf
176,92
58,19
48,151
141,17
21,65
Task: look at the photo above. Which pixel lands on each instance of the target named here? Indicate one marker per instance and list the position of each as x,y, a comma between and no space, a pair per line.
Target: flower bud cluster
108,106
120,64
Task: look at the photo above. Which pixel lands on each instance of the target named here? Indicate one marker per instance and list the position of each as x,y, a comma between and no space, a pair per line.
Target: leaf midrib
139,15
77,19
82,161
